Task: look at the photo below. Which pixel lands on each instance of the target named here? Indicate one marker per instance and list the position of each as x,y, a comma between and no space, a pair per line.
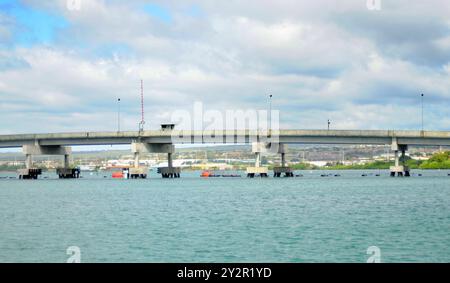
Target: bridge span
374,137
163,141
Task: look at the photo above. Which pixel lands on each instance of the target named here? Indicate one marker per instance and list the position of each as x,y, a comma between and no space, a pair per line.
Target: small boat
87,168
124,174
117,175
208,174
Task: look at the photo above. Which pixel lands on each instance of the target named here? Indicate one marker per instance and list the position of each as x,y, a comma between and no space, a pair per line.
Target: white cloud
316,64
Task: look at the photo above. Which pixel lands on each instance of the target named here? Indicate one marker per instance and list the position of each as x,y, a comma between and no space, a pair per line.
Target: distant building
318,163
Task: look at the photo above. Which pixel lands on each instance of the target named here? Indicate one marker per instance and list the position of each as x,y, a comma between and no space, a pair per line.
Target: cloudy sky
63,68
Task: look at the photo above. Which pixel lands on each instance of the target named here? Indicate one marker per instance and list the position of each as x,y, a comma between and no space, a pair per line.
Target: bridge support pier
166,172
32,173
258,170
138,171
399,169
283,169
29,173
66,172
169,172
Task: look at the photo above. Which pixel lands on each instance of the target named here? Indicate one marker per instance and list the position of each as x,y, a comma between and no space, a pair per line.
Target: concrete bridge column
28,161
32,173
136,159
258,159
399,169
396,157
169,160
66,161
170,171
166,172
258,170
66,172
137,171
29,172
278,171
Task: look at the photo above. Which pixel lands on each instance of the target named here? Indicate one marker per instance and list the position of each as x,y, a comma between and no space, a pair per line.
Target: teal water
308,219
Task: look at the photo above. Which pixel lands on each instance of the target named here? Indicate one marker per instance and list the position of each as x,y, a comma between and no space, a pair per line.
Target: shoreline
243,170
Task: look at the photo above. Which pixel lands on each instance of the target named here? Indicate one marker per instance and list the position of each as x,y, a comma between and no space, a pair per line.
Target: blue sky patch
32,26
195,11
109,50
158,12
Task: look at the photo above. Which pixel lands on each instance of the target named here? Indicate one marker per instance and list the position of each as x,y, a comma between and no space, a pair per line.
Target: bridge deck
231,137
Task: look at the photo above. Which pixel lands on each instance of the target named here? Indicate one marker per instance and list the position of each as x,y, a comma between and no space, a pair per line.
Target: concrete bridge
162,141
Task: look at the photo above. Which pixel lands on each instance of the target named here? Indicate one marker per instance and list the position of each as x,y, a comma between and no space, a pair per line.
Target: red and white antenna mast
142,123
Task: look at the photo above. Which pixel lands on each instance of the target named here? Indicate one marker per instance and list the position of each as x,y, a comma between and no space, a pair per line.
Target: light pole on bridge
422,95
118,114
270,111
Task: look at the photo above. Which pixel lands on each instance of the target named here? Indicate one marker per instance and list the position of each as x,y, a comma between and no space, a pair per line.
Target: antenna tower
142,123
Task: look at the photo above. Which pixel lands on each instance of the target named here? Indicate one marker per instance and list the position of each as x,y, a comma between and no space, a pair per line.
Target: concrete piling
399,170
283,169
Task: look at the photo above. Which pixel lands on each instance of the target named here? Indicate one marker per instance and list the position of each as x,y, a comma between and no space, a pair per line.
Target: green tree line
437,161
